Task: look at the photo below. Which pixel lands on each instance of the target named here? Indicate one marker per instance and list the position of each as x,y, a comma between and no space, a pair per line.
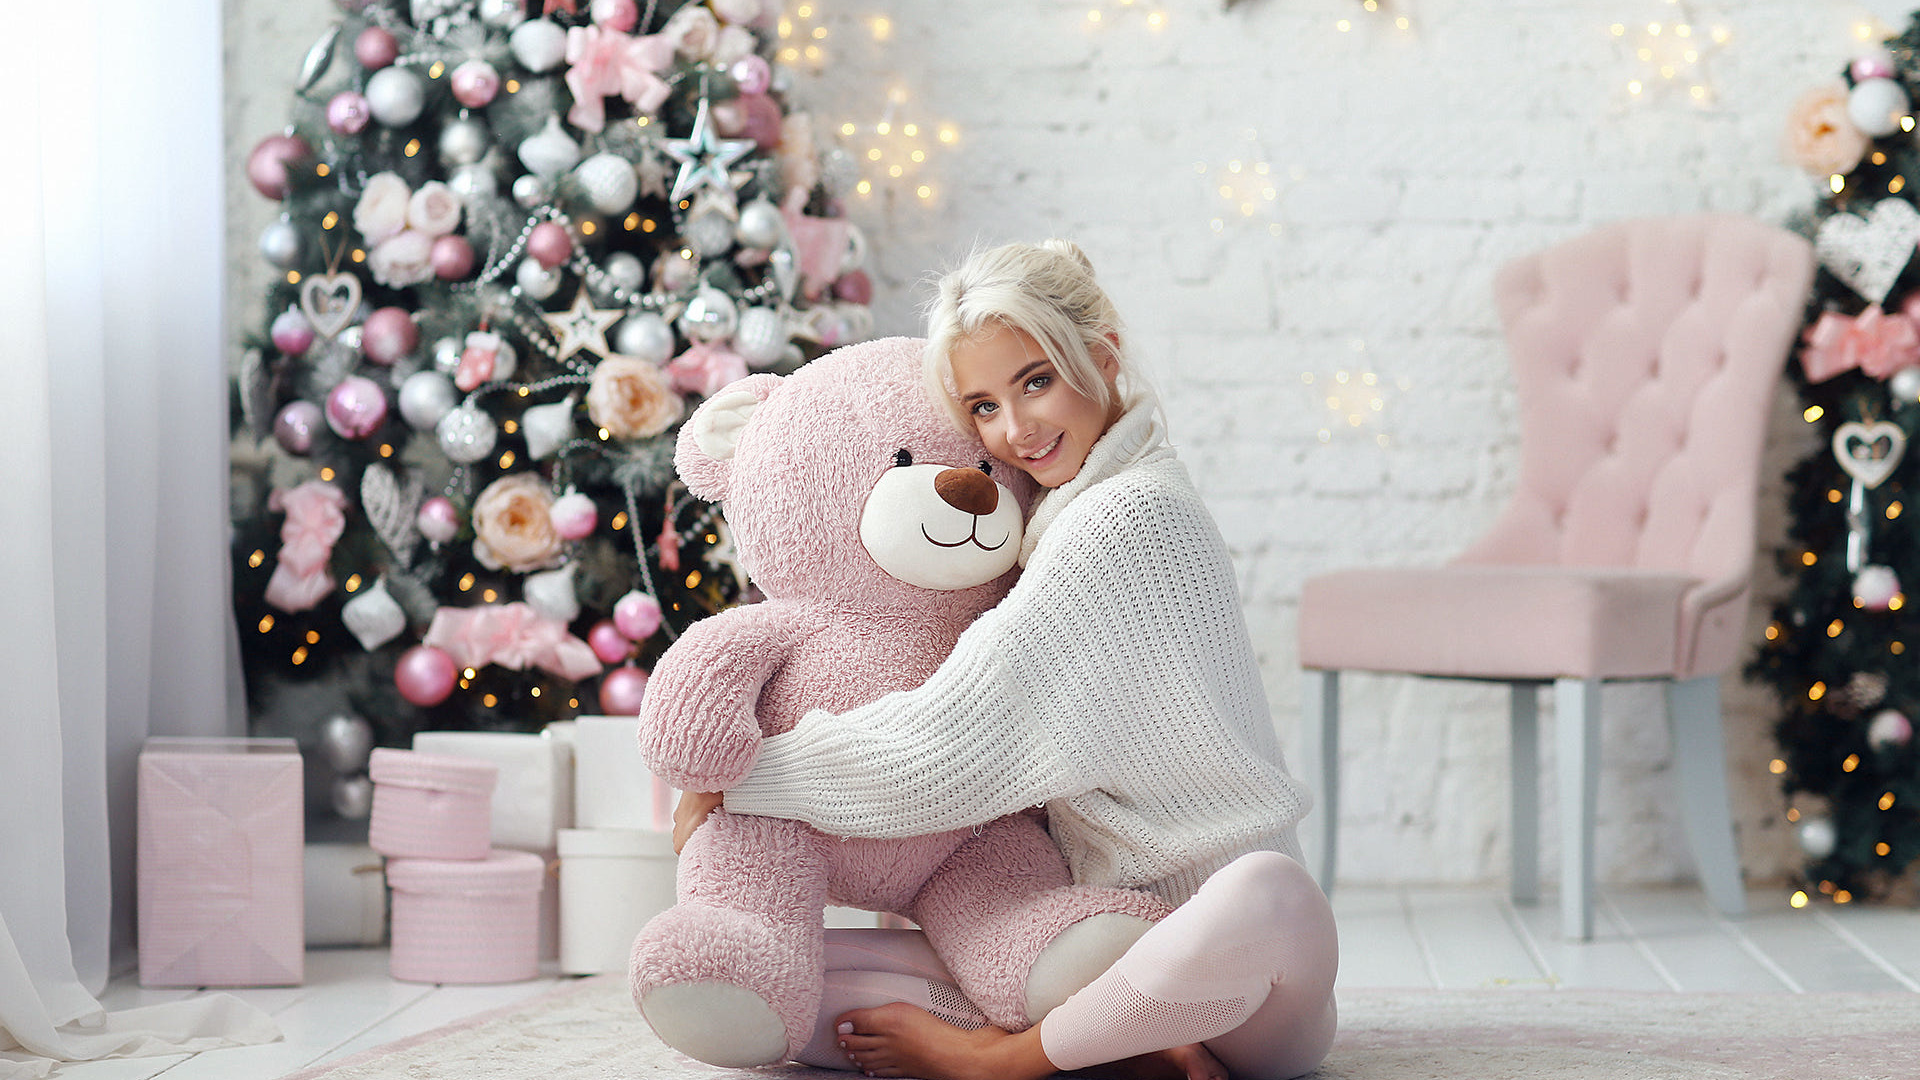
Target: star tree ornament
582,327
705,159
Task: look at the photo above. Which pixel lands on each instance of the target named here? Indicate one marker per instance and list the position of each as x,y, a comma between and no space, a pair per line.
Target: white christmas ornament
608,181
1877,106
1817,836
1905,385
280,244
503,13
374,617
466,435
425,398
625,270
551,593
346,741
710,316
539,45
472,182
761,339
535,280
646,336
1889,728
550,152
1869,452
446,355
463,141
761,225
396,95
1868,252
709,234
531,191
1875,586
548,427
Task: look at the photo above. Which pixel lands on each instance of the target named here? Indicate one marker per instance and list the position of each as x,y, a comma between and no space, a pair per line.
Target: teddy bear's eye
987,467
902,458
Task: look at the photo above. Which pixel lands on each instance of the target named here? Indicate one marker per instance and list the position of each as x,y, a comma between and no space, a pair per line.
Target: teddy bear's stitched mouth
973,537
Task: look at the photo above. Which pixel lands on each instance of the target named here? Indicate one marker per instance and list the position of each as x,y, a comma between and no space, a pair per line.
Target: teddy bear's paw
716,1022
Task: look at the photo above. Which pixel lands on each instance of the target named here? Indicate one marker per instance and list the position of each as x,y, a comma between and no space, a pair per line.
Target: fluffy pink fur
835,631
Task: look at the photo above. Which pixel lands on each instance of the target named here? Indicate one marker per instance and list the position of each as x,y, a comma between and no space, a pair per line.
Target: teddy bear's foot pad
716,1022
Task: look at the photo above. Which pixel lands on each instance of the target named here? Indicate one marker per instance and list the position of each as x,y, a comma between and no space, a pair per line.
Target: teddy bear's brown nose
968,490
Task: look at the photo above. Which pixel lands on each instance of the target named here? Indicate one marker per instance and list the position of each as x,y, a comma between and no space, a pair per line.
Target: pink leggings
1246,966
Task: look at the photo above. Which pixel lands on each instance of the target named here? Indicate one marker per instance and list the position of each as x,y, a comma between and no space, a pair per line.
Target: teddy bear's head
843,483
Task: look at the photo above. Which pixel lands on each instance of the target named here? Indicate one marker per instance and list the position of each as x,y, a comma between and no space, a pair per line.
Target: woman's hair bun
1068,248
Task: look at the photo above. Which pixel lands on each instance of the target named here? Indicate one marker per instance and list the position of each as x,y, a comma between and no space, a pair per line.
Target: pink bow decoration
607,63
1874,341
316,516
705,368
820,244
511,635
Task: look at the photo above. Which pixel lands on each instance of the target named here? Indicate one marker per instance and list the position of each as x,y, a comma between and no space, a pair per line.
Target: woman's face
1023,410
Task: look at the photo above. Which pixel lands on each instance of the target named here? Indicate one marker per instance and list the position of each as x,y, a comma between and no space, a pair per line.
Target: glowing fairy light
1670,55
896,149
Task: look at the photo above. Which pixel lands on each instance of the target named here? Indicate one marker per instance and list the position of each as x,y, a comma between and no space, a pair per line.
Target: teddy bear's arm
699,729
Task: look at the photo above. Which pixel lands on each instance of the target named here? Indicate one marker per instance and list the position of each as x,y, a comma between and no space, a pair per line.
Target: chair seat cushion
1494,622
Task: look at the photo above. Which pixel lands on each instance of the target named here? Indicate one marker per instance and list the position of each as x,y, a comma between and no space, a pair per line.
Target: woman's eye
983,408
1039,382
902,458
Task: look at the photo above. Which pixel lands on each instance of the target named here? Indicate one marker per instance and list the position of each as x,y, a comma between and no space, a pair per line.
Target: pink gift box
466,920
430,806
220,862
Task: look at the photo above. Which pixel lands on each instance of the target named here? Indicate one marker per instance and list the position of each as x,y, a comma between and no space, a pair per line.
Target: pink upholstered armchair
1646,355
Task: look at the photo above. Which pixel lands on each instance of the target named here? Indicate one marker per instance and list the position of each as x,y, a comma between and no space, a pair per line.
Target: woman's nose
968,490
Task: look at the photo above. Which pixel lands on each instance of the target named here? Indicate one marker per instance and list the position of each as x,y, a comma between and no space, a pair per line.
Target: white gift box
346,896
615,790
533,796
611,882
222,824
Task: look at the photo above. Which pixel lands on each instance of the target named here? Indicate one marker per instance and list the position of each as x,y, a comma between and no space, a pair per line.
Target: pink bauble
348,113
761,119
608,643
425,676
637,615
752,73
451,258
574,516
1889,729
438,519
475,83
375,48
854,288
296,425
1875,64
549,244
271,159
388,334
356,408
622,690
291,332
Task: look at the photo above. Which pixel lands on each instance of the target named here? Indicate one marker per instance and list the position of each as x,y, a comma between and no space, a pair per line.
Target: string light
1813,413
1673,54
801,37
1356,399
1099,17
896,147
1247,184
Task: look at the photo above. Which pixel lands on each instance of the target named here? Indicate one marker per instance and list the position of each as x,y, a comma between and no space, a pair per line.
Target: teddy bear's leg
1018,935
731,974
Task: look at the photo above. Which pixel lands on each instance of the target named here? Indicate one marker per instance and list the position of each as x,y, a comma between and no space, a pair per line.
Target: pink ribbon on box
1876,342
316,516
607,63
511,635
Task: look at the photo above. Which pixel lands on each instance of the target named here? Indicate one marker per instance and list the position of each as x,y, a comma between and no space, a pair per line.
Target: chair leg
1320,764
1700,765
1524,766
1577,724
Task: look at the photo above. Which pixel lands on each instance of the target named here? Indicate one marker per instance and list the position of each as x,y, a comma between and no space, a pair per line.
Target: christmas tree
1837,651
515,247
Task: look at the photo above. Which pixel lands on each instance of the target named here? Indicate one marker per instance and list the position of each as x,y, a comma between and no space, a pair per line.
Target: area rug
590,1031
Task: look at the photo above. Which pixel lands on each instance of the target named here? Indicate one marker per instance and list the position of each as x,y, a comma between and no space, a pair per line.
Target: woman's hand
691,812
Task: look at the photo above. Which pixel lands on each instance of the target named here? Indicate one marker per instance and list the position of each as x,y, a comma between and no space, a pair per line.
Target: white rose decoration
693,30
734,43
736,11
403,259
382,209
434,209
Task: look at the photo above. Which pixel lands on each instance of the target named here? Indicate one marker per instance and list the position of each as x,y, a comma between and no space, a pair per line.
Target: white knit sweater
1115,684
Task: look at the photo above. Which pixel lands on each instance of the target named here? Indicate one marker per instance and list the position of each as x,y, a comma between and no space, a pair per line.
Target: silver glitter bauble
463,141
761,339
446,355
627,271
396,95
352,797
761,225
710,234
426,397
466,435
710,316
535,280
608,181
345,742
531,191
473,182
280,245
646,336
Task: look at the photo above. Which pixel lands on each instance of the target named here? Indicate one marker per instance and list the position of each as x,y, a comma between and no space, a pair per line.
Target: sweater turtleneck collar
1137,437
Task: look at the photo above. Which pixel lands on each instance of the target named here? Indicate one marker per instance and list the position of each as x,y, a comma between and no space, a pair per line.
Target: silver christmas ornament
1905,385
674,274
466,435
761,225
626,270
505,14
446,355
608,181
352,797
547,428
374,618
473,182
761,339
531,191
549,152
646,336
1817,836
319,58
280,245
710,316
535,280
539,45
396,95
463,141
426,397
710,234
551,593
346,741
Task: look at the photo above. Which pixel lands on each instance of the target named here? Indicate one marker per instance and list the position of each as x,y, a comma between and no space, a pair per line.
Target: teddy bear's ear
704,454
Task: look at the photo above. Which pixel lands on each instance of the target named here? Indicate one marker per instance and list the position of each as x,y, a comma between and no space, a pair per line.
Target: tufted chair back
1645,354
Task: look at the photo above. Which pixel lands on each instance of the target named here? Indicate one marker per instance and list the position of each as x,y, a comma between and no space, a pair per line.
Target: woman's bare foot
898,1039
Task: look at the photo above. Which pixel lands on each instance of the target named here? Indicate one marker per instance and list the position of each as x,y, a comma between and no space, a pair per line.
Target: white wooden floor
1645,939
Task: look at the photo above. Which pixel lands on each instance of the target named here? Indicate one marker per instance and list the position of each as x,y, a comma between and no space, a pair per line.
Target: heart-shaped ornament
1869,452
1869,252
330,300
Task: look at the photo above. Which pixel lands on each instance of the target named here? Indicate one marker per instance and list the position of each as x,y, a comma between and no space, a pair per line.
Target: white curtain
114,620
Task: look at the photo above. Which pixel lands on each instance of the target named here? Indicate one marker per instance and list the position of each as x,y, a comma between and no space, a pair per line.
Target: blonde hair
1046,291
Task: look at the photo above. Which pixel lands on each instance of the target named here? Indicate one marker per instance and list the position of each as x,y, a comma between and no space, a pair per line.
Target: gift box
221,828
533,797
466,920
430,806
611,882
614,788
346,896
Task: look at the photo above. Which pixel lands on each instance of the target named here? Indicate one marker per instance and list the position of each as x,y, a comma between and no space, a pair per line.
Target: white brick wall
1422,160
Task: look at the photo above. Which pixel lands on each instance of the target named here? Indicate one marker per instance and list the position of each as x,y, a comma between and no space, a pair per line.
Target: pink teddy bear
837,480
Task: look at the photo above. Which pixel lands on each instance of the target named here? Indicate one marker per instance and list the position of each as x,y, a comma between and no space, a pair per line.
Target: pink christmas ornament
574,516
752,74
356,408
452,258
291,333
1889,729
760,119
854,288
549,244
608,643
1874,64
296,425
388,334
425,675
637,615
375,48
622,691
270,161
348,113
475,83
438,520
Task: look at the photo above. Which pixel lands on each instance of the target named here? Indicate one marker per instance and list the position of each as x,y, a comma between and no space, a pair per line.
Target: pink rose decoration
705,368
1874,341
1820,137
434,209
631,398
511,635
403,259
513,525
382,209
316,516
